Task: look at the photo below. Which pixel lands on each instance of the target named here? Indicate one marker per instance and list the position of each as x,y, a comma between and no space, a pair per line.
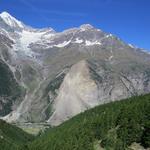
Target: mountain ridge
41,61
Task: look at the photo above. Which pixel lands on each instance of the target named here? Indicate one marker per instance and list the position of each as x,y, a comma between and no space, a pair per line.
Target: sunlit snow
91,43
11,21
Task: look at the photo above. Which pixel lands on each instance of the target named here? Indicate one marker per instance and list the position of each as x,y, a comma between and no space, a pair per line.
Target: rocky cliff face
65,73
11,93
77,93
87,85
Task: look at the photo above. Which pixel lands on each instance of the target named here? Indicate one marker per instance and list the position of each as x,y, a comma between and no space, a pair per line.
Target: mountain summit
10,20
52,76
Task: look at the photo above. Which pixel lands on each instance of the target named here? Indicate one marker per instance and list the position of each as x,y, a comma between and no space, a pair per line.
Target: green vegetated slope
12,137
113,126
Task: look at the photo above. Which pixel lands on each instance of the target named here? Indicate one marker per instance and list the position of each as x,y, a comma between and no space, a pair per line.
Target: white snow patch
99,30
109,35
91,43
144,51
78,41
30,37
65,43
47,36
131,45
85,27
82,29
11,21
27,38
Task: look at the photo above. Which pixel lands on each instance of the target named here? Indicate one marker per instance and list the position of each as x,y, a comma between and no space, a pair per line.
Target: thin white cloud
55,12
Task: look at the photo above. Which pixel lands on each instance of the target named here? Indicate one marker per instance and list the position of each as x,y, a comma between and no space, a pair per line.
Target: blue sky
128,19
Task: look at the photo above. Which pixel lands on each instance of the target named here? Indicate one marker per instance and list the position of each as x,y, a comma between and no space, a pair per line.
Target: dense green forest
113,126
12,137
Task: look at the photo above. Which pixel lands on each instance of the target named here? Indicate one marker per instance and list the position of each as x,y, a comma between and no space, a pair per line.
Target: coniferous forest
113,126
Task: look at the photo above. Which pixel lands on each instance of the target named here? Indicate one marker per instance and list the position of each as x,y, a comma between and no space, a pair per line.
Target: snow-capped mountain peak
10,20
86,27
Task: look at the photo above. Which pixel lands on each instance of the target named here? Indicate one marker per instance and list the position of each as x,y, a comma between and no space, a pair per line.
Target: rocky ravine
62,74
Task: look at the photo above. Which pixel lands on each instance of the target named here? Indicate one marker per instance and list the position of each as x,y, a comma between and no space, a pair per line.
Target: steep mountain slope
11,137
11,94
78,91
112,126
54,68
85,87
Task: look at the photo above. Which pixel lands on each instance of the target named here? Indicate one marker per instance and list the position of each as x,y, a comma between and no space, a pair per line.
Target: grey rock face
90,83
80,68
77,93
11,93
